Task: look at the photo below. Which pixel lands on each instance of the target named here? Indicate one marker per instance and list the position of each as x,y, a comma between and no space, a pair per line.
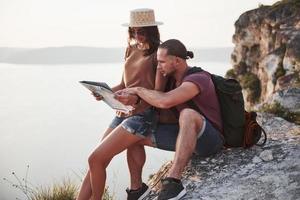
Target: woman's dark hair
176,48
152,38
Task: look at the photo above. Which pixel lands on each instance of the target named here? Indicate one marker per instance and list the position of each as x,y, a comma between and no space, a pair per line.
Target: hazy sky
43,23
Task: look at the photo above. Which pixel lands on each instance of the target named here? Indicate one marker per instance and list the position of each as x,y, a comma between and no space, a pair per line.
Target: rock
266,155
155,179
289,99
256,159
271,172
267,44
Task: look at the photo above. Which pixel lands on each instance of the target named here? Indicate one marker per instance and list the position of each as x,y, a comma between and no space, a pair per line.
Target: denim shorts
209,143
140,124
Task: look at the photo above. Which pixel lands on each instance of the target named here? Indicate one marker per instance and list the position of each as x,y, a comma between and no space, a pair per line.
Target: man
196,132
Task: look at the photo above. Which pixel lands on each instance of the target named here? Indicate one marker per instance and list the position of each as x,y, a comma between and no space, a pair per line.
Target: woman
125,130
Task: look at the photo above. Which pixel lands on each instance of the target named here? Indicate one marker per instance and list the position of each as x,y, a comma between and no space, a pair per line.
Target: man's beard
171,73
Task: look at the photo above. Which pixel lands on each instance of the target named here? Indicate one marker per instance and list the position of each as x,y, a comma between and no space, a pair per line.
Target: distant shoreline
90,55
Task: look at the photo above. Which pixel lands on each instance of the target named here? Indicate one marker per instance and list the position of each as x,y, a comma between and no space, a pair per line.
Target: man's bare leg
190,124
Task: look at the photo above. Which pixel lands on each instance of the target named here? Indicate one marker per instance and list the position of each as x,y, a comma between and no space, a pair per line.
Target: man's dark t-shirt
207,100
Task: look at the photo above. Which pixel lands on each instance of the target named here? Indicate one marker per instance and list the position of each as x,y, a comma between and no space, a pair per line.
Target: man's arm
186,91
160,81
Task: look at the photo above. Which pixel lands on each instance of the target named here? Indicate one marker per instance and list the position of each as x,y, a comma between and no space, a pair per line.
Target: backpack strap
169,86
193,70
265,138
253,131
190,103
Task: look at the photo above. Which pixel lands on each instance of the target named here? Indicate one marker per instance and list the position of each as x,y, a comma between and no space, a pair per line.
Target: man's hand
133,90
97,96
126,97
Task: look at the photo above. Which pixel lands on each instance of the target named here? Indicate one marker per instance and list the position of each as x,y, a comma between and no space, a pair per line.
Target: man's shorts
139,124
209,143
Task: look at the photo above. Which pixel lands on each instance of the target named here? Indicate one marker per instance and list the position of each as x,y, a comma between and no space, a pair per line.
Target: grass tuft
250,81
277,109
65,190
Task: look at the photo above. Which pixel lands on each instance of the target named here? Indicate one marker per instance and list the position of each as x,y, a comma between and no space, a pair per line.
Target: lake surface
51,123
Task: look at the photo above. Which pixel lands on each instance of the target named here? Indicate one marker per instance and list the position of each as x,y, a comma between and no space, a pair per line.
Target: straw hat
142,17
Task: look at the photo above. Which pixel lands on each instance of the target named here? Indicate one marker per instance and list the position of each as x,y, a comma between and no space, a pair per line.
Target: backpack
240,128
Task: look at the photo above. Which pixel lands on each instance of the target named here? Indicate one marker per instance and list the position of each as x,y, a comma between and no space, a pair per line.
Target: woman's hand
97,96
122,114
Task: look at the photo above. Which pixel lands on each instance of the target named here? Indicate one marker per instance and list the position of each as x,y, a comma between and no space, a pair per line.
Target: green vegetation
231,74
63,191
107,196
248,81
278,73
241,68
293,3
251,82
277,109
66,190
297,79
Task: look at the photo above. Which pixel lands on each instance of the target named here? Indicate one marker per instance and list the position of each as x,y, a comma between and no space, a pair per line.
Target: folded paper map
102,89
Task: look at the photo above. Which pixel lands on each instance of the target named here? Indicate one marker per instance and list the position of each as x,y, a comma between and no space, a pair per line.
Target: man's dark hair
176,48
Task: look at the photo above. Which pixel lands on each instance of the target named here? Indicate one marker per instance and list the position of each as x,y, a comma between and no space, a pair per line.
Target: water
51,123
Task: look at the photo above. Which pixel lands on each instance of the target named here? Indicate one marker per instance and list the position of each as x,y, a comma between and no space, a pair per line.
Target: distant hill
217,54
79,55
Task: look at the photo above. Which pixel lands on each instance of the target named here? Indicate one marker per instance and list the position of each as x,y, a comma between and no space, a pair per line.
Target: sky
97,23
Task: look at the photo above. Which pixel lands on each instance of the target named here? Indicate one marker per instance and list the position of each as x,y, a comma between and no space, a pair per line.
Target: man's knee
191,118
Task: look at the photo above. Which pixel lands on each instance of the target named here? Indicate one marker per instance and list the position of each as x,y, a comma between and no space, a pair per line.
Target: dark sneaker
171,190
138,194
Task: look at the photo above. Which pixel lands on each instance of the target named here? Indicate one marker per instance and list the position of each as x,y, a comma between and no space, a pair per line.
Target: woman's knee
97,158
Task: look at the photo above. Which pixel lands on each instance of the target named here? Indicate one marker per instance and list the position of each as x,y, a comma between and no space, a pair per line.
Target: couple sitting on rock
158,83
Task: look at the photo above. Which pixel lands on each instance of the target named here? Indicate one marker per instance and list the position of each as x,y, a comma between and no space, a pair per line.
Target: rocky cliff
266,57
270,172
266,61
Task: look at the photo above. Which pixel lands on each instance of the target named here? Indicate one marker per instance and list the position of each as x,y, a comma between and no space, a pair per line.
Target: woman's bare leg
117,141
85,191
136,158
